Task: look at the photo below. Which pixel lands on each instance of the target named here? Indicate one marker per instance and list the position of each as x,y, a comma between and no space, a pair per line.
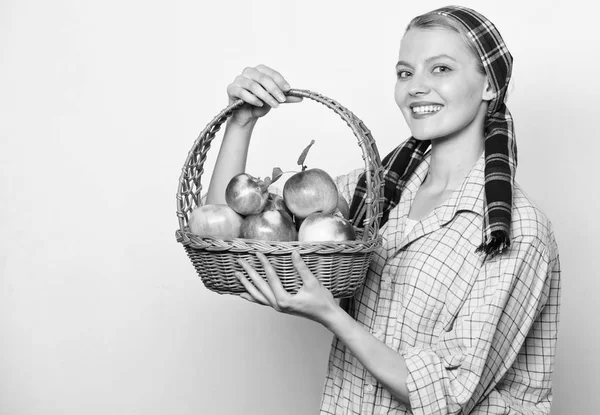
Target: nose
418,86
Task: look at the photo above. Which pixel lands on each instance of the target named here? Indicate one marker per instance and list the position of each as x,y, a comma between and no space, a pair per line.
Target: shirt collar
469,197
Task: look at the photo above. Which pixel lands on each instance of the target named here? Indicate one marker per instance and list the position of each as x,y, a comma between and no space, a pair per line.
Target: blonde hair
433,20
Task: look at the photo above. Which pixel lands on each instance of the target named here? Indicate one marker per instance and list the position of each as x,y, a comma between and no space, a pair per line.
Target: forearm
231,160
381,361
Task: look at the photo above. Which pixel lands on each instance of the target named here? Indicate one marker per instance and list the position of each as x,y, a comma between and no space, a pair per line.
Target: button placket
387,282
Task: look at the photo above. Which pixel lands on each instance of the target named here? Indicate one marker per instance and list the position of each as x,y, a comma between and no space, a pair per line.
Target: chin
425,135
430,134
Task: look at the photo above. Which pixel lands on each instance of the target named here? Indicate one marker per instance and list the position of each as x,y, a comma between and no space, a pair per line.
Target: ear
488,91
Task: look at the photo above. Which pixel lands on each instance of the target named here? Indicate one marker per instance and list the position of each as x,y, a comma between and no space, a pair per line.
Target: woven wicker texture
340,266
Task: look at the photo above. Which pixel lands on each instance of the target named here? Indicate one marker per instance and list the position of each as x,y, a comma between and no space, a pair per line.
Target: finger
251,299
279,80
292,100
266,82
235,91
306,275
259,89
252,91
259,283
274,281
252,293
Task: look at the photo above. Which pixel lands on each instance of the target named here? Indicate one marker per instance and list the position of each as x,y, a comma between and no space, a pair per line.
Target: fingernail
280,97
287,86
274,103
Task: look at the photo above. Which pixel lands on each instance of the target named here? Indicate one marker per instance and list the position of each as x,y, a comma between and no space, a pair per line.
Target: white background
100,309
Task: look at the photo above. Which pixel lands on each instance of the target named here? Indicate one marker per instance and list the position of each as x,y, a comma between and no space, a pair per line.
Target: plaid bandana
500,145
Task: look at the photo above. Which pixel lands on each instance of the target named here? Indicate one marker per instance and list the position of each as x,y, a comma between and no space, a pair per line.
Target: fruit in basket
270,225
217,221
246,194
310,191
322,227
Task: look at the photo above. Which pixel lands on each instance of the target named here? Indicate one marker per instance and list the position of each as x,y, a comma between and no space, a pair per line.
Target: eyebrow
443,55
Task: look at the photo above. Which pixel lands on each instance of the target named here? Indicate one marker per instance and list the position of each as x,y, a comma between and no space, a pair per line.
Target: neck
453,157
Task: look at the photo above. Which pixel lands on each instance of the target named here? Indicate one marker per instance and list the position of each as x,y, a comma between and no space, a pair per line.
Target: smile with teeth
426,109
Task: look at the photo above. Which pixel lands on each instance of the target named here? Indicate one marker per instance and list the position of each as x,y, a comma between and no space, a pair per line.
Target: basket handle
190,187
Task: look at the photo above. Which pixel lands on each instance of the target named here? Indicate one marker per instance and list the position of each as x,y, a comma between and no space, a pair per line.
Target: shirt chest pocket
434,289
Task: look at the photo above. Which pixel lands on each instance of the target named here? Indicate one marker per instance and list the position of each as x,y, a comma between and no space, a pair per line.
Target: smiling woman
439,75
459,310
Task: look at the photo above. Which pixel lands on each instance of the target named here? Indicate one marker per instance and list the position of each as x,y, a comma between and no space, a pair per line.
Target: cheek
468,96
474,93
474,99
400,95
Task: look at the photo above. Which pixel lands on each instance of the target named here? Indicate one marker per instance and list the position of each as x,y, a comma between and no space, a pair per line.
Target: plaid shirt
478,335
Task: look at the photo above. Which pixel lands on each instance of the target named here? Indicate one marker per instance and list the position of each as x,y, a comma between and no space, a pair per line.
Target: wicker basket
341,267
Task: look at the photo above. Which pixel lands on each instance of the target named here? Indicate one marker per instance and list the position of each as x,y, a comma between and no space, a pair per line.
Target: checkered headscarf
500,145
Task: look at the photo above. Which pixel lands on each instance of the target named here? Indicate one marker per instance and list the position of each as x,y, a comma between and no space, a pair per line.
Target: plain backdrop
101,311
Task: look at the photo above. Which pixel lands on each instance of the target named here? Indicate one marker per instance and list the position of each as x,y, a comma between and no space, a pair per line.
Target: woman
459,310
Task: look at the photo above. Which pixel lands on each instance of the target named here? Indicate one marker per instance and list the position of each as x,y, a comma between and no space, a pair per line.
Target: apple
343,207
325,227
270,225
246,194
217,221
309,191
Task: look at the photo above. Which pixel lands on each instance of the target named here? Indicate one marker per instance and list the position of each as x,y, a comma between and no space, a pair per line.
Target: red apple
270,225
324,227
217,221
310,191
246,194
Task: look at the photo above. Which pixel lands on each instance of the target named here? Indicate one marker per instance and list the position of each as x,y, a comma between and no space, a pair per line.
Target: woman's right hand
261,88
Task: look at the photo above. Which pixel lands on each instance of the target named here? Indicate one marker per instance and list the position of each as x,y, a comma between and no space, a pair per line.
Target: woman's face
439,88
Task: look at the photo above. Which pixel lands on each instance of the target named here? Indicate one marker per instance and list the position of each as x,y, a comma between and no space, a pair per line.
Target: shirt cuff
425,386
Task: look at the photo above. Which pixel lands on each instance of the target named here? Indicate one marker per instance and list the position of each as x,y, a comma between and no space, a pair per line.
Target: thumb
292,100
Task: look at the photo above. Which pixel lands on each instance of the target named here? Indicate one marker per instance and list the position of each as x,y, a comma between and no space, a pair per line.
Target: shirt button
379,334
370,388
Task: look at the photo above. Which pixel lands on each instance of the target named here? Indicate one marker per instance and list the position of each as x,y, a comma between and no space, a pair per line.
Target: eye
441,69
402,74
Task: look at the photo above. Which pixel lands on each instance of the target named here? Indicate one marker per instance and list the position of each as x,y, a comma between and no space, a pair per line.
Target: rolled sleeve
424,382
491,327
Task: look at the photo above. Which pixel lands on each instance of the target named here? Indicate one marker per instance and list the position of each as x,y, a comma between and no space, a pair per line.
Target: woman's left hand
312,301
